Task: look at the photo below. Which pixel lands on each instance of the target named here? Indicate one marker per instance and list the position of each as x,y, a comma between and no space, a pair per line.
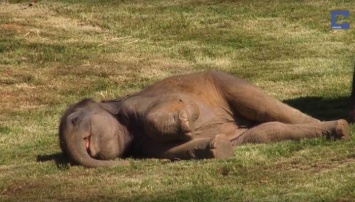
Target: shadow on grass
322,108
60,160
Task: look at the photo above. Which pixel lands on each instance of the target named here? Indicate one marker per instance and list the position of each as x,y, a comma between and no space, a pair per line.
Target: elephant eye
75,120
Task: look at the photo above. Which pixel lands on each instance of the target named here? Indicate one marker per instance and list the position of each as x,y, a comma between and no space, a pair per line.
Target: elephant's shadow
324,109
61,161
317,107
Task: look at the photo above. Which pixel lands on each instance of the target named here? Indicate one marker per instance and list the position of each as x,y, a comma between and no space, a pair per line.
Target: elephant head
91,136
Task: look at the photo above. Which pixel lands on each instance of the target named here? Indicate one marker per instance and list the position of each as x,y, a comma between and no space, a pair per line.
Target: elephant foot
342,130
186,125
221,147
337,130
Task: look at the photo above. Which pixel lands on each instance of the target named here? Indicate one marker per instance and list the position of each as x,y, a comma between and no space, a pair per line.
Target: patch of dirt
20,187
13,27
316,166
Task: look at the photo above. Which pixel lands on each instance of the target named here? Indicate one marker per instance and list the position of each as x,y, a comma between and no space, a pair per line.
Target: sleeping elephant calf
201,115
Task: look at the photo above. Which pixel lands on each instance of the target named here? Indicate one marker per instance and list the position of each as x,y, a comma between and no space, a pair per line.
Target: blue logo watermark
338,19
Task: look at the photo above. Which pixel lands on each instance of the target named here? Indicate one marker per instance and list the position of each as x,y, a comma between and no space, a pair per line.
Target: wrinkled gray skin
201,115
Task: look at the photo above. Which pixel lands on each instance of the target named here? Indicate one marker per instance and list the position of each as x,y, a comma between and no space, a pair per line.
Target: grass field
55,53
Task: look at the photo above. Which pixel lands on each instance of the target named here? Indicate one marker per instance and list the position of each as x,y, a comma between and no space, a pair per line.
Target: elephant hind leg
252,103
277,131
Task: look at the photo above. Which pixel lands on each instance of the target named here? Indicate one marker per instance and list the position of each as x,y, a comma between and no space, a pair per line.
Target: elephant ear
112,106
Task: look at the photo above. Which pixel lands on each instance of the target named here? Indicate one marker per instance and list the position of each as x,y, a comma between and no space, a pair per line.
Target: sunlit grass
55,53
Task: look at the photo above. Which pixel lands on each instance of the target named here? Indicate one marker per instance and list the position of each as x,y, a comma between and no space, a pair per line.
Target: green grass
57,52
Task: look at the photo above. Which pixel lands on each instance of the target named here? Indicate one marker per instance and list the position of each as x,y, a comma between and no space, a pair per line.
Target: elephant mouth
90,150
87,143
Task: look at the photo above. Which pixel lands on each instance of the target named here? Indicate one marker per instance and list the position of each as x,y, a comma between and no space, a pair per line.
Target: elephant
192,116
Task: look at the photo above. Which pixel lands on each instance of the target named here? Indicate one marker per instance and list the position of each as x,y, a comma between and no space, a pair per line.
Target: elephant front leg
218,147
277,131
171,118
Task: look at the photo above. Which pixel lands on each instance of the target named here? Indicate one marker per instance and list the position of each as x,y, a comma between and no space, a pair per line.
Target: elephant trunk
76,149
